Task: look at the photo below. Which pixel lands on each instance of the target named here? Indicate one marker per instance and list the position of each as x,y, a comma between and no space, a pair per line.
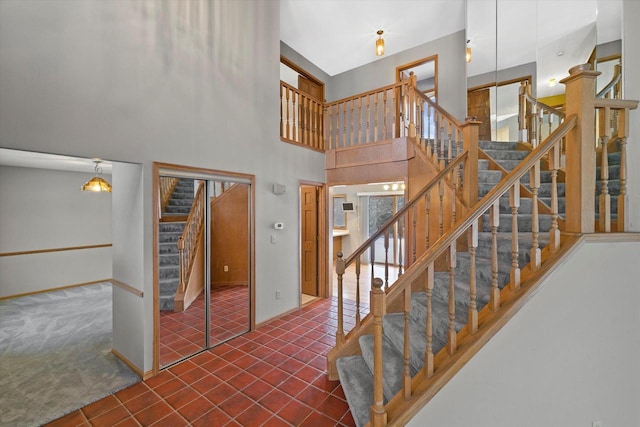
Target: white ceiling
339,35
29,159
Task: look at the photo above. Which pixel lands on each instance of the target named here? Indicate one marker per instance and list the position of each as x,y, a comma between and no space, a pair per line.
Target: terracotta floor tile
227,372
312,396
275,400
215,417
220,393
257,390
236,404
159,379
207,383
170,387
100,407
182,397
182,367
293,386
172,420
294,412
324,383
308,374
347,420
246,361
316,419
153,413
333,407
132,391
194,409
110,418
276,422
141,402
242,380
193,375
291,365
255,415
128,422
275,376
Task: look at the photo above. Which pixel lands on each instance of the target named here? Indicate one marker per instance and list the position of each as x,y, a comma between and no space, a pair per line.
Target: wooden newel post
413,85
340,271
470,130
580,175
378,414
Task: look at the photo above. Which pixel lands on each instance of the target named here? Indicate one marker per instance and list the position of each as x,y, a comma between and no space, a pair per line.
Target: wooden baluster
428,353
554,165
360,141
344,124
473,308
514,202
453,178
449,141
386,259
604,219
340,268
400,245
352,123
368,128
406,378
395,122
442,141
533,127
441,208
357,292
534,182
452,343
623,132
375,117
522,112
384,115
294,115
494,221
329,131
427,199
282,110
414,215
337,140
378,414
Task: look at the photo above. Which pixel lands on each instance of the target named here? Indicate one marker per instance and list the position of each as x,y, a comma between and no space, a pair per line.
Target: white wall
45,209
135,81
568,358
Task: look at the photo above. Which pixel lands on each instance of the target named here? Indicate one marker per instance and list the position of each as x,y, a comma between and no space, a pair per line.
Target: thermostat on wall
278,225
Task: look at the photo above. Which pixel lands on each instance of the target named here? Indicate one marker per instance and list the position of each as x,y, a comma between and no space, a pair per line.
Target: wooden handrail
167,184
531,116
187,243
612,89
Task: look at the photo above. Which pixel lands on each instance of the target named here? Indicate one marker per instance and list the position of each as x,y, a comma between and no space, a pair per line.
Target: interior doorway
313,242
204,271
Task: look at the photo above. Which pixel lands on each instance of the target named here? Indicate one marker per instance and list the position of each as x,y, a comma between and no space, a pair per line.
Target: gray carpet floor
55,354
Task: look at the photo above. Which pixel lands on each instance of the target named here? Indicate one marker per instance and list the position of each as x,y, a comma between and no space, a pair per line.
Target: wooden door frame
323,243
156,168
284,60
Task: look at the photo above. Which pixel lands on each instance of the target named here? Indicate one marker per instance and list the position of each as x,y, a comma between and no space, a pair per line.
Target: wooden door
478,105
311,88
309,236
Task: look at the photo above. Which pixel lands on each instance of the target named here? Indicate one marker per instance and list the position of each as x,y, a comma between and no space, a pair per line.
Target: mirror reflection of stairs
173,220
355,372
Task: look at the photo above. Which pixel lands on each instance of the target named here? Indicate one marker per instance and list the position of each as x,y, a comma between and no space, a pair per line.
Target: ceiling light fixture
380,44
552,82
97,184
468,52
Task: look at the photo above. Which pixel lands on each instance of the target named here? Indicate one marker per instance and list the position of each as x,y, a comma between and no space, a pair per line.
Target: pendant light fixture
468,52
380,44
97,184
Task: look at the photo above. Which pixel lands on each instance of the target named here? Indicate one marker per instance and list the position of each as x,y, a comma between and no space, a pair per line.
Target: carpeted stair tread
357,382
392,360
506,154
498,145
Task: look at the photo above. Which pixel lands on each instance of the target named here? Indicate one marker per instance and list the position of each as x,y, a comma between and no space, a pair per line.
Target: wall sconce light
468,52
97,184
380,44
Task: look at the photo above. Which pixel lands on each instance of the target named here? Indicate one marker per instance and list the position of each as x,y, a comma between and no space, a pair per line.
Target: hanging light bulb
97,184
468,52
380,44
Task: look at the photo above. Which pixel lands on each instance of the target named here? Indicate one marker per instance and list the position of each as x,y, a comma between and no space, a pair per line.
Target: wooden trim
134,368
612,238
286,61
434,58
127,288
155,182
58,288
502,83
614,57
300,144
44,251
324,287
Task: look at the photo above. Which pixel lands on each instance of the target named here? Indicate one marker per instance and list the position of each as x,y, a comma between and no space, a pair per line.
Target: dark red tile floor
182,333
273,376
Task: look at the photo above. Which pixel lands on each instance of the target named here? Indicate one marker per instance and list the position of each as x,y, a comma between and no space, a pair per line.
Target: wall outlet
226,268
596,424
278,294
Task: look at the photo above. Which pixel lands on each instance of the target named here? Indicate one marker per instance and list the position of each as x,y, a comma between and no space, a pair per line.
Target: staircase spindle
367,133
494,221
427,203
373,259
554,232
340,268
406,378
451,330
352,116
441,210
344,124
514,203
623,132
473,309
378,415
384,115
428,353
386,259
358,292
375,118
283,111
604,210
534,182
400,236
414,217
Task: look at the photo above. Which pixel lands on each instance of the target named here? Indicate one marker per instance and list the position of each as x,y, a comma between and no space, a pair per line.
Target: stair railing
613,89
301,118
167,184
188,242
536,119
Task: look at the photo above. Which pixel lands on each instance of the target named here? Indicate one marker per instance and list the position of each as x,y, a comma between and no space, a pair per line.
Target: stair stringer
423,389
